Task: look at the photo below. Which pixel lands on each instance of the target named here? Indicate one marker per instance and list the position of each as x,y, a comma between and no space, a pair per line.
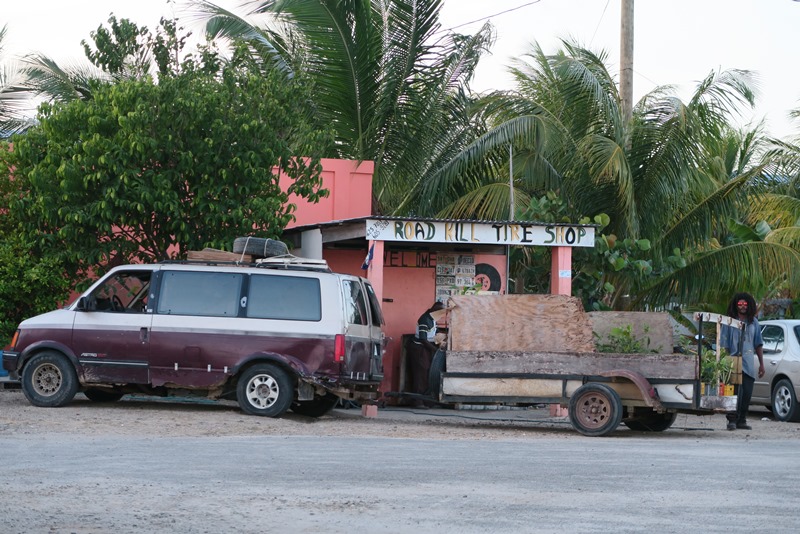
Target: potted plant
715,374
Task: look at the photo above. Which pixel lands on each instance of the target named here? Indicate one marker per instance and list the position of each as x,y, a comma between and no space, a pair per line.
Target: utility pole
626,60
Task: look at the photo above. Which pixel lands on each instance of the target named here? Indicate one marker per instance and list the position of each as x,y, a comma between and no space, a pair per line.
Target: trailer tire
595,409
652,422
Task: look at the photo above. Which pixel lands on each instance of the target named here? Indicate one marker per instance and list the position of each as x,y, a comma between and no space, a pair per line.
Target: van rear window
200,293
284,297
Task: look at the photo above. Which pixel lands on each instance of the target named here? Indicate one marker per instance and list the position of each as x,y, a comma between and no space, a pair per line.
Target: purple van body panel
183,359
137,346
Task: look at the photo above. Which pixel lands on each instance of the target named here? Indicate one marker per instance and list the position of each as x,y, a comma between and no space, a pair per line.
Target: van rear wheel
265,390
49,380
317,407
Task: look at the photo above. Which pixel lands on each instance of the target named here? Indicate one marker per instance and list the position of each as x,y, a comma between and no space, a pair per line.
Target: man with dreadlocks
743,343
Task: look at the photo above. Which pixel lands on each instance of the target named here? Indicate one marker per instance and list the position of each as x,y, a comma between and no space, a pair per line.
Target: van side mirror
83,304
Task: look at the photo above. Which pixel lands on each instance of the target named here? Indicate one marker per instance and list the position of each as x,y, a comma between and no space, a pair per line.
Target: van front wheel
49,380
265,390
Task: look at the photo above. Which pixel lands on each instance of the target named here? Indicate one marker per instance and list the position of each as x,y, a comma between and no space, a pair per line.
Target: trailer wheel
652,421
595,410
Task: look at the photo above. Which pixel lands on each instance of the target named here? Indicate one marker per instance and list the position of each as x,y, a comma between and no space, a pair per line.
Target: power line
599,22
496,14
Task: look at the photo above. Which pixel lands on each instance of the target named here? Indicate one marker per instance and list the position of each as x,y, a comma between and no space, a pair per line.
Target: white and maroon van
276,335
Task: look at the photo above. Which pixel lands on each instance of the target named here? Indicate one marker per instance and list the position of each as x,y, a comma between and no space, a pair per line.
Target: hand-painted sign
548,235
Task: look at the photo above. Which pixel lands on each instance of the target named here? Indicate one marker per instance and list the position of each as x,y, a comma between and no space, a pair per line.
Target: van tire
317,407
102,395
259,247
264,389
49,380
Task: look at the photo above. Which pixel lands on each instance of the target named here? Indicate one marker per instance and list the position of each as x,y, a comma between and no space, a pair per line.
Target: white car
779,389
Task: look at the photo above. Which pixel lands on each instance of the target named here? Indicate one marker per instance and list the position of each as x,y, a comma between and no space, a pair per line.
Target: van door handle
243,302
143,334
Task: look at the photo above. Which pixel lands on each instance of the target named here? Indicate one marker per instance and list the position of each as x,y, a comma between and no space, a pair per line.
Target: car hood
58,318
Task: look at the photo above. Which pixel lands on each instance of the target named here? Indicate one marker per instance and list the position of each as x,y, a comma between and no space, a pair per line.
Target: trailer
524,350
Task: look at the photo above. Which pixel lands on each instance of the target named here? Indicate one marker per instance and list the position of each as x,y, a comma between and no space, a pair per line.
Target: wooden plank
671,366
518,322
653,329
211,254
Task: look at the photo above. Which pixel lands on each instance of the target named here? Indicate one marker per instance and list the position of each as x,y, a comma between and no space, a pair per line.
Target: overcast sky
677,42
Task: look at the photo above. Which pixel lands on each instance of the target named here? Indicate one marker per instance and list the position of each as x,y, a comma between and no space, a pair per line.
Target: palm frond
717,274
488,202
267,35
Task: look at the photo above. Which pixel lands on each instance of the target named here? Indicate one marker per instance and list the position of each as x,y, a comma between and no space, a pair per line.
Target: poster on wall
457,274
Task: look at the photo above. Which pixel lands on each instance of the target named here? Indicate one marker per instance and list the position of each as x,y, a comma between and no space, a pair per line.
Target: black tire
264,390
49,380
595,409
259,247
102,395
488,277
317,407
784,402
435,373
650,421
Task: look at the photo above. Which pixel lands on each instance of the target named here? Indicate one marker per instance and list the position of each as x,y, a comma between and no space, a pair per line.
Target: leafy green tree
29,284
393,85
146,171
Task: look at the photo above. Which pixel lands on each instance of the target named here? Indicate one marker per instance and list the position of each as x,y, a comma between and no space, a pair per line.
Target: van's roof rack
291,262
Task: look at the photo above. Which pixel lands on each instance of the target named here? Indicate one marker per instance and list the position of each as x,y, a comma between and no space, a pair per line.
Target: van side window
355,304
199,293
284,297
123,292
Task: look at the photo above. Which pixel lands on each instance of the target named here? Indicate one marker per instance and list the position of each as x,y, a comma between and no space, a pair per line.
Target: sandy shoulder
145,416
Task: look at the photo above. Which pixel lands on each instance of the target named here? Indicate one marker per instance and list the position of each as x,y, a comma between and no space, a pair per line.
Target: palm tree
392,85
657,176
12,102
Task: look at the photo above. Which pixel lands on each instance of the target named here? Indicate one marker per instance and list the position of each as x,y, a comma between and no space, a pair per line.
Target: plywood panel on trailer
653,329
552,323
673,366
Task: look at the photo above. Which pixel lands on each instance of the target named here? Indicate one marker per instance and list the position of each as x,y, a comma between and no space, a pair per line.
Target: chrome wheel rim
262,391
782,404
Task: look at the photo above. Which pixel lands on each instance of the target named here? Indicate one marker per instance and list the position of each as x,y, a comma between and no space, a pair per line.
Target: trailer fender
649,393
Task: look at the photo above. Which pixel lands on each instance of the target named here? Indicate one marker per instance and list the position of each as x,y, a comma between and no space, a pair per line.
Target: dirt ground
141,416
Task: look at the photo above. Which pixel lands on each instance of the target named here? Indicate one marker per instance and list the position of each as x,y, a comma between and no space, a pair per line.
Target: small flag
368,259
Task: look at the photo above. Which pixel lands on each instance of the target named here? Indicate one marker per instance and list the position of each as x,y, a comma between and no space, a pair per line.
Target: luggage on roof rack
288,261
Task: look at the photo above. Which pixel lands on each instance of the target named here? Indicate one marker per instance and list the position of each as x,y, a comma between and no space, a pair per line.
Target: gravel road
146,465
